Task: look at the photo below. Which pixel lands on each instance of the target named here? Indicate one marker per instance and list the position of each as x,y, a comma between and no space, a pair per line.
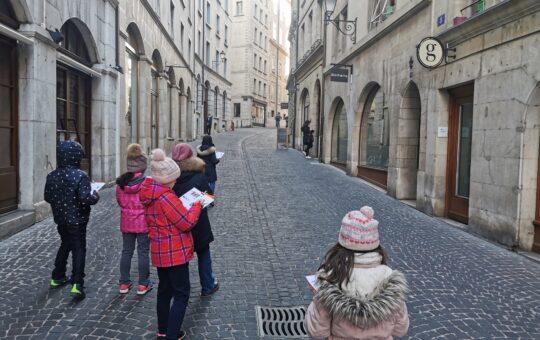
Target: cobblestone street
275,215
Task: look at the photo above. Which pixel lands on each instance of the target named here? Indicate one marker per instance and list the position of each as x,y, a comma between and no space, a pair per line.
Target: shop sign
340,74
285,106
442,132
430,52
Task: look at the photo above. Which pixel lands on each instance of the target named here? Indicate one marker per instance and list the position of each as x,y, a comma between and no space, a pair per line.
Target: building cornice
217,75
315,56
495,16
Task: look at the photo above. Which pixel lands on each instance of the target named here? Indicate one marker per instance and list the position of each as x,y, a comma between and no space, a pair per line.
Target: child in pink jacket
359,296
133,222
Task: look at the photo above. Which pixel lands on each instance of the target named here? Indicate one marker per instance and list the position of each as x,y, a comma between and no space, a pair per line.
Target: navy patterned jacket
68,187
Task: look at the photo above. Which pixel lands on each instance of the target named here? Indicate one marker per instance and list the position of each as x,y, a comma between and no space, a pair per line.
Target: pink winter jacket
132,219
371,305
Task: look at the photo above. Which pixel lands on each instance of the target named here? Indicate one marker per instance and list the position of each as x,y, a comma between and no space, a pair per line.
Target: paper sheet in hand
195,195
96,186
219,154
312,280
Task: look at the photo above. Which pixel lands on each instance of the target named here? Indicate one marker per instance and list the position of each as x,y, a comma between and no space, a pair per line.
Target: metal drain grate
285,322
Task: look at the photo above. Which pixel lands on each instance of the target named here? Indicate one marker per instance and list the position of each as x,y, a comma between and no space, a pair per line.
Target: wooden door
9,148
460,128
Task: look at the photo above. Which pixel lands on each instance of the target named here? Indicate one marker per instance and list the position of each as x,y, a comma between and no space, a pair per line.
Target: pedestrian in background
69,193
359,296
171,243
133,222
309,144
192,176
209,125
305,134
207,152
278,120
287,121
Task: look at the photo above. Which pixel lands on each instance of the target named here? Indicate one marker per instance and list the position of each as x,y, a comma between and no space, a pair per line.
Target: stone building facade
460,139
104,73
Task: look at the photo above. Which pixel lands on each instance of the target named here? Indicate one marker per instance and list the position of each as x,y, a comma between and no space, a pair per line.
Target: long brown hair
339,263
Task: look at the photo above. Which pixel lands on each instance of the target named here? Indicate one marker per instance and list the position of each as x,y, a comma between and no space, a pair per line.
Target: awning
76,65
13,34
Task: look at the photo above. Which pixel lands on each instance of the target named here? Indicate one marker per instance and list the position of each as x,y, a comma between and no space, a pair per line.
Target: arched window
340,135
73,93
133,50
377,122
305,106
216,102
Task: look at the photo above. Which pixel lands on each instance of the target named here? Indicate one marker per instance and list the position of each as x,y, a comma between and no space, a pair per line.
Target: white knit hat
163,169
359,231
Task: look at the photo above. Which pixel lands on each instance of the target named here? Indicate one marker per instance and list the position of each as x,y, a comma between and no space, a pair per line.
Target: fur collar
206,152
366,310
191,164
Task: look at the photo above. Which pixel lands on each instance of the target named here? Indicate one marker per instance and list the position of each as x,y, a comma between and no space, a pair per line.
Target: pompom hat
163,169
359,230
136,159
181,152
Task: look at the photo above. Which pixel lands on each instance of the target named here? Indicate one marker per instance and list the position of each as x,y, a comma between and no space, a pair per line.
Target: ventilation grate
285,322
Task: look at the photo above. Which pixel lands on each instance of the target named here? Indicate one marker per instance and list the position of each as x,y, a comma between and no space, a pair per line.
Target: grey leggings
143,245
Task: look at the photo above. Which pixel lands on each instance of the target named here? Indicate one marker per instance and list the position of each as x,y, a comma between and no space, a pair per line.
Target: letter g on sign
430,52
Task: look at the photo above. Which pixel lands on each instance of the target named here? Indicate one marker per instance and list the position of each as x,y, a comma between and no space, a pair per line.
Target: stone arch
86,36
528,229
405,161
134,38
157,62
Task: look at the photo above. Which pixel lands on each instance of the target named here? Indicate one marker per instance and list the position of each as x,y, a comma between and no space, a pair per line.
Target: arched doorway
181,110
374,138
216,108
305,105
74,90
156,69
224,105
404,167
9,117
171,85
134,49
189,115
340,134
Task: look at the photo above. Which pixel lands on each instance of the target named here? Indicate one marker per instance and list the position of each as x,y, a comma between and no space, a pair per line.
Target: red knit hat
182,151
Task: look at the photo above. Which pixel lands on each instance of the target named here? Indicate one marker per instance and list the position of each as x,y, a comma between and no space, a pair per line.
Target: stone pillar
164,107
37,123
145,85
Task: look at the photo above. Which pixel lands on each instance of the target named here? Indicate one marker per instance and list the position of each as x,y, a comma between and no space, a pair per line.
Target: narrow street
275,215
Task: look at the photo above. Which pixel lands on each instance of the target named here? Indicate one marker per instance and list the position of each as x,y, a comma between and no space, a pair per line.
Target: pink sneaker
142,290
124,287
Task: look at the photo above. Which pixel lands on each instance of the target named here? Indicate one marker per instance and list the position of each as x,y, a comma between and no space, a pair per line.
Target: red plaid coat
169,224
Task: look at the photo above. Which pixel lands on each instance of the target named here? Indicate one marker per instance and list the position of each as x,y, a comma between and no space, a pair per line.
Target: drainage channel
284,322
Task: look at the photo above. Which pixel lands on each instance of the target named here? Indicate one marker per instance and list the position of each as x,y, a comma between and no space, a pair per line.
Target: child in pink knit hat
359,295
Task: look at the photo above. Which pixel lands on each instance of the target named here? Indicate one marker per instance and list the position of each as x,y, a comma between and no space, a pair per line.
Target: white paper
219,154
312,280
194,195
96,186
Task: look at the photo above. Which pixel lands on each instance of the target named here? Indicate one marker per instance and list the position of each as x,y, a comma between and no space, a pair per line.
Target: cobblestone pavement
276,214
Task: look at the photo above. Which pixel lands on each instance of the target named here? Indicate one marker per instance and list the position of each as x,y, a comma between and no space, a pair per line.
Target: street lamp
222,58
349,26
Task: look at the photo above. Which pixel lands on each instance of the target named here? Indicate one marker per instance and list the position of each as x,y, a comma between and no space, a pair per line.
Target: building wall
158,35
494,52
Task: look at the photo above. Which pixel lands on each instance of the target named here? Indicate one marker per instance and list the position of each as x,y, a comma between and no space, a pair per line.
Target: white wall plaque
442,132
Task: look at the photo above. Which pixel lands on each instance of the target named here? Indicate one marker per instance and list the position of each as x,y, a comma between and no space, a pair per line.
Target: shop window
340,135
237,110
378,137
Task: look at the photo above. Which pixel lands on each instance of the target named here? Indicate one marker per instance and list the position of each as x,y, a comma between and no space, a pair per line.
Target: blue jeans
143,246
206,274
173,284
212,186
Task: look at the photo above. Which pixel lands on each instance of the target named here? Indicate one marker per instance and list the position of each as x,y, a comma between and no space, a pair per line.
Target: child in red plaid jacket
171,243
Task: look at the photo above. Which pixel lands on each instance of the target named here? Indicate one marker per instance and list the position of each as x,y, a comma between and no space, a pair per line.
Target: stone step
15,221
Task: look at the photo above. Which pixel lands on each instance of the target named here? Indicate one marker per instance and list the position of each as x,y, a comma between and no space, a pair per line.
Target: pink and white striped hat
359,231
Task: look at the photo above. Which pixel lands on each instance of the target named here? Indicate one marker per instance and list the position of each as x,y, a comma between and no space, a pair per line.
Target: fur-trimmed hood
205,152
370,308
191,164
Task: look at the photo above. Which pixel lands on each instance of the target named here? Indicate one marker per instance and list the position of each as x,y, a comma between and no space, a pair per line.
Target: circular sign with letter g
430,52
